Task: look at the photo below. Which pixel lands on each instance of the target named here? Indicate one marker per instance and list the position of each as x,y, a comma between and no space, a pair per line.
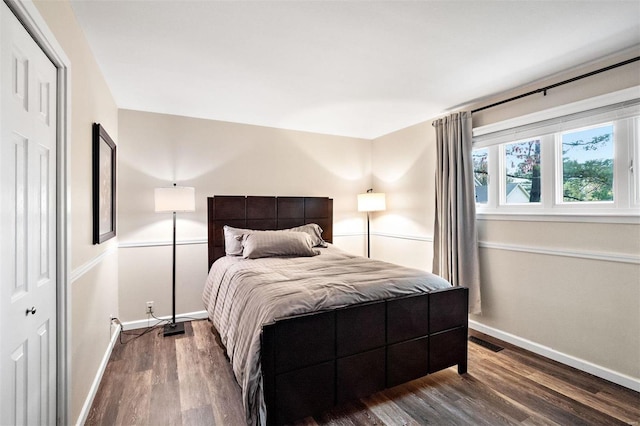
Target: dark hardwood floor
186,379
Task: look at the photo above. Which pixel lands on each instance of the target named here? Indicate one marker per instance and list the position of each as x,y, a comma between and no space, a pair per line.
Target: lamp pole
173,327
368,238
174,199
173,307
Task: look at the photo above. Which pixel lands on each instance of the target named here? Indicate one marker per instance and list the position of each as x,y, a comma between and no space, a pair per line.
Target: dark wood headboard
264,213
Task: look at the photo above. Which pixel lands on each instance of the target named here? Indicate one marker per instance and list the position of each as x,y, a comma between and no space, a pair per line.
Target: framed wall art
104,185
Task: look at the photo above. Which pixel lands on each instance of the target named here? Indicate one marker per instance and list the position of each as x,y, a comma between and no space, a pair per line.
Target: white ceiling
353,68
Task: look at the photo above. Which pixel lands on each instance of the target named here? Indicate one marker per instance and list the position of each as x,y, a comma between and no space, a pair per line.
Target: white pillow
259,244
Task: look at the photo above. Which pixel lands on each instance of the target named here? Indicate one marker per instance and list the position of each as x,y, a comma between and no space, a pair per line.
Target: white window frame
634,166
622,109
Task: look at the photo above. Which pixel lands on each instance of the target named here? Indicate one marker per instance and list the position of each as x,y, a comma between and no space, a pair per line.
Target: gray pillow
315,231
233,240
233,237
259,244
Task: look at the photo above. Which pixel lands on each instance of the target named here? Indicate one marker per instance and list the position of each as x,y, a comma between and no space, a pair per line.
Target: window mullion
548,171
622,178
634,144
494,176
499,186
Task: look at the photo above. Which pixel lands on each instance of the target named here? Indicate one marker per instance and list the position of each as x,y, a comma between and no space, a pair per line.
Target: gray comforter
242,294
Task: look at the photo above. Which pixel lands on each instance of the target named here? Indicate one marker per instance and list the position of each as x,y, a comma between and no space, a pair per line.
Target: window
481,174
587,165
582,164
521,183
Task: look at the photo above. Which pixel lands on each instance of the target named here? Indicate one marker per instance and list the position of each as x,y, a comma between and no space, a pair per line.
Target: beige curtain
455,239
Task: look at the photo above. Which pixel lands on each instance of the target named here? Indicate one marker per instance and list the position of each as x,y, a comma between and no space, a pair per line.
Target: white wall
94,279
217,158
539,281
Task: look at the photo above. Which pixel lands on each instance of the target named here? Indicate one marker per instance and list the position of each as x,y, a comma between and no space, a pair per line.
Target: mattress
241,295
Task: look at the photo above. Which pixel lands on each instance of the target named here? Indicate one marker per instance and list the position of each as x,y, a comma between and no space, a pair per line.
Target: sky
580,154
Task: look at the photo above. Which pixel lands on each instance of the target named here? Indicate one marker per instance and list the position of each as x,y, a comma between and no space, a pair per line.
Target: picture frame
104,185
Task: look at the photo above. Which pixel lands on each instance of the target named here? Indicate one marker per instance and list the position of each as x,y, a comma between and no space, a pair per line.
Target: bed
302,358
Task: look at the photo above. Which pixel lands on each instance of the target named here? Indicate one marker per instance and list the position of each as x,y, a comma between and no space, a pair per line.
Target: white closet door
27,228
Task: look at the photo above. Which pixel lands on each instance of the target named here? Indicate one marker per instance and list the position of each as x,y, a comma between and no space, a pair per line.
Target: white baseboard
82,418
144,323
586,366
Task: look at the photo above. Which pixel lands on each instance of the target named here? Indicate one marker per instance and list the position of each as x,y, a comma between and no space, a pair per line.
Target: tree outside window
587,165
481,174
522,172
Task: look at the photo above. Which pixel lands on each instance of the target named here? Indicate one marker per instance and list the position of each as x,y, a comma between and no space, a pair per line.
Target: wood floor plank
621,412
467,387
104,410
536,363
165,364
554,405
425,410
519,369
204,338
187,380
480,403
224,392
539,421
348,415
199,416
362,415
387,410
623,401
613,392
165,408
134,403
190,376
208,368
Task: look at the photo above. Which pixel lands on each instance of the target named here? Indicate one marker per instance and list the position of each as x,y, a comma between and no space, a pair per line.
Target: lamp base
173,328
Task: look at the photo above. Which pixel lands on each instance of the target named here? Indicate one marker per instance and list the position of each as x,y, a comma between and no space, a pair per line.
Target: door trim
36,26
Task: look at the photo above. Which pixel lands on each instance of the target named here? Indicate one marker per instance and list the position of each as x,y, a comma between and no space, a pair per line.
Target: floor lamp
175,199
371,202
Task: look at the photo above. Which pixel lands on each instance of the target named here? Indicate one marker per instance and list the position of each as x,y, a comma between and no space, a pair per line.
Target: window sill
622,217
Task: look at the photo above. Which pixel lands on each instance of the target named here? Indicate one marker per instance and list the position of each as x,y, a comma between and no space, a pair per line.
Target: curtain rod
571,80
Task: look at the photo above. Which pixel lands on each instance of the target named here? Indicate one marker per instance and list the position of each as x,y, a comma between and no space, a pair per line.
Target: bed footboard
312,362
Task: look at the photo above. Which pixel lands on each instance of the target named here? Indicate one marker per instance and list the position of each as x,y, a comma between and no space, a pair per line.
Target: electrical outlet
150,307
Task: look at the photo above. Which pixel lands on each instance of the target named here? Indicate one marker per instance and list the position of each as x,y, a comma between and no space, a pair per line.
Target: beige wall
94,285
579,310
217,158
403,169
538,281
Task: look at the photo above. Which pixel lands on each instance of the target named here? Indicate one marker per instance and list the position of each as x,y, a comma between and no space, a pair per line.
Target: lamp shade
175,199
371,202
